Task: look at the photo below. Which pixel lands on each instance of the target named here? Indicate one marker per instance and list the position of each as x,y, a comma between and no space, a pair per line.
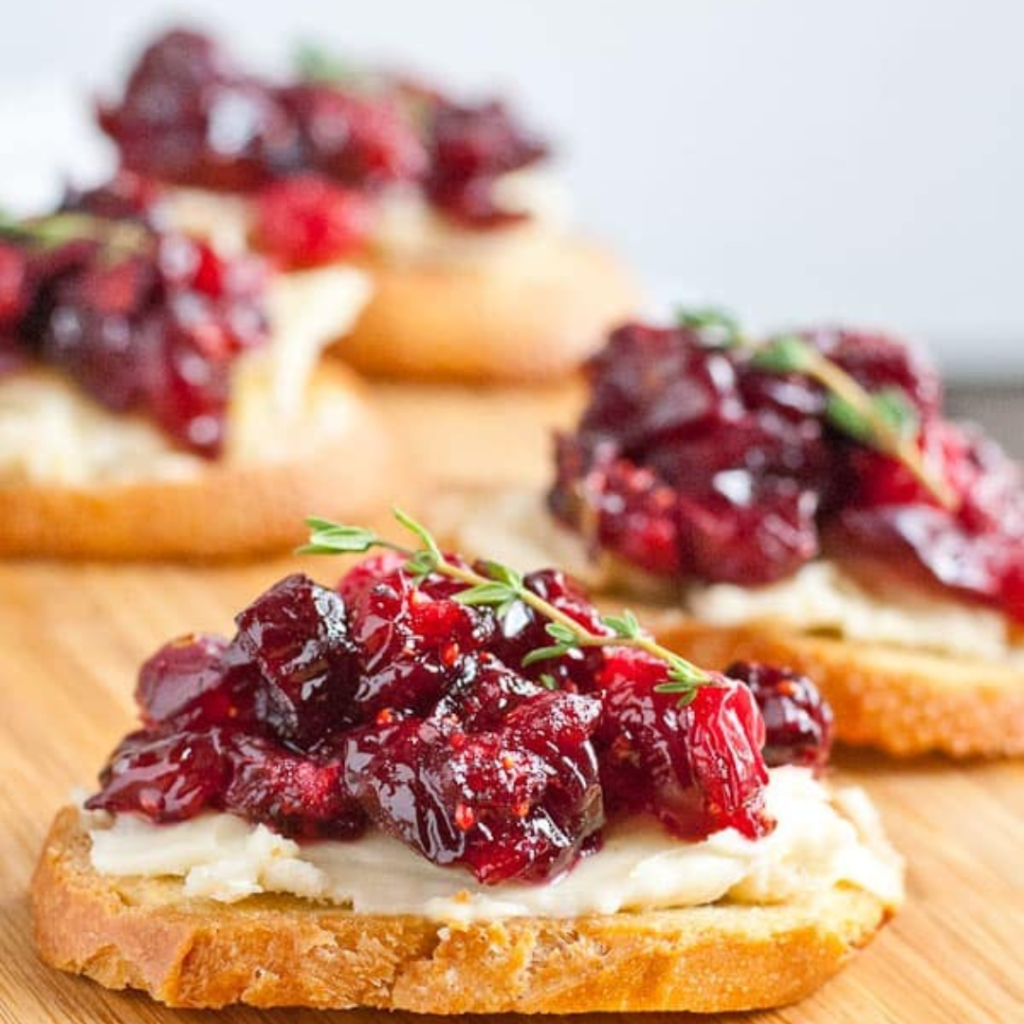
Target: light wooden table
72,637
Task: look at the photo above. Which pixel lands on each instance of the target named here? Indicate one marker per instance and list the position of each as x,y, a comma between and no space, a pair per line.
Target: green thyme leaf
548,681
562,633
544,653
892,404
316,64
625,625
327,538
485,594
425,536
786,353
717,328
497,571
848,419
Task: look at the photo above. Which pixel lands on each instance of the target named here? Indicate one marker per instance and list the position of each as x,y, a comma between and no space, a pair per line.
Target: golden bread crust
905,702
528,320
226,509
279,951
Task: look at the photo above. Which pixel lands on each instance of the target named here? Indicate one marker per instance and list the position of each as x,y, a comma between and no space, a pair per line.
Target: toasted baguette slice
281,951
905,702
338,460
901,700
530,319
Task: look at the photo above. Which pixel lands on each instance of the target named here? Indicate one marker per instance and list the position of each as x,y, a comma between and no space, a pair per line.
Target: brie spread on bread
821,839
52,432
515,528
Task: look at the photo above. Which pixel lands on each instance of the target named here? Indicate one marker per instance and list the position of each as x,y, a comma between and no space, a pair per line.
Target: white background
789,158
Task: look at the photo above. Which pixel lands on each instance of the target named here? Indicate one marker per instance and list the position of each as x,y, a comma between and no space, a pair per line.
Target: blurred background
790,159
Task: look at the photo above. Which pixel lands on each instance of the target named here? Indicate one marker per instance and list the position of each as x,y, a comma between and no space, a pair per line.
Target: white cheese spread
821,840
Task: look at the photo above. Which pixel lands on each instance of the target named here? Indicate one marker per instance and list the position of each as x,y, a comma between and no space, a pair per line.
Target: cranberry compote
388,703
190,116
692,462
143,320
798,721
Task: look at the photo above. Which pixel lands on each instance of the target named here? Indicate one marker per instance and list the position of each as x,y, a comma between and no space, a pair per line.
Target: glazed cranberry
297,796
306,220
126,196
698,768
517,802
13,287
521,631
878,361
411,640
195,682
188,116
163,777
297,635
470,147
362,141
156,332
798,721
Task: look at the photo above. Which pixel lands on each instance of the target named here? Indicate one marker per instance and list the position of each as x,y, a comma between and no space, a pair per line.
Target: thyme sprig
117,238
885,420
501,587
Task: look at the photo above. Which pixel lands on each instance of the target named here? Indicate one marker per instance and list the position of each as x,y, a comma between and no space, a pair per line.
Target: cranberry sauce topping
388,703
143,320
693,461
190,116
798,723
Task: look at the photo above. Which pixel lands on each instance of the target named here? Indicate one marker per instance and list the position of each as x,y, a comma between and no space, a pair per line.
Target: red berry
306,220
798,721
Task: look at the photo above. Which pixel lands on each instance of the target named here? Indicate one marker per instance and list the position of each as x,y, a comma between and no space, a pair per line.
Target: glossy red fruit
307,220
698,768
297,796
297,635
14,296
361,141
165,778
196,682
797,719
470,147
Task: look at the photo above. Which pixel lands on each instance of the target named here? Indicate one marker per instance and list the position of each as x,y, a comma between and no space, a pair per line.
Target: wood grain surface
72,637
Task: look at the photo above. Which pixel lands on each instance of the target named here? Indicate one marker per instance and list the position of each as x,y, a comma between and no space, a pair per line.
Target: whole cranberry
195,682
470,147
521,630
298,637
298,796
697,768
798,720
188,116
361,141
878,361
411,637
165,778
14,297
125,196
307,220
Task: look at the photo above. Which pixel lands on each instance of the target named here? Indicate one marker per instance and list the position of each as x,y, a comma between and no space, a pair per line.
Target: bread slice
336,460
902,700
532,318
281,951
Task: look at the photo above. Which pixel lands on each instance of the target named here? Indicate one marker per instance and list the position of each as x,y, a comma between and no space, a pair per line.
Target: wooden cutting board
72,637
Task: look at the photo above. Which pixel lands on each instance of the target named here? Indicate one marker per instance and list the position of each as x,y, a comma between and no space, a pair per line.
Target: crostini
476,273
448,788
158,399
802,500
